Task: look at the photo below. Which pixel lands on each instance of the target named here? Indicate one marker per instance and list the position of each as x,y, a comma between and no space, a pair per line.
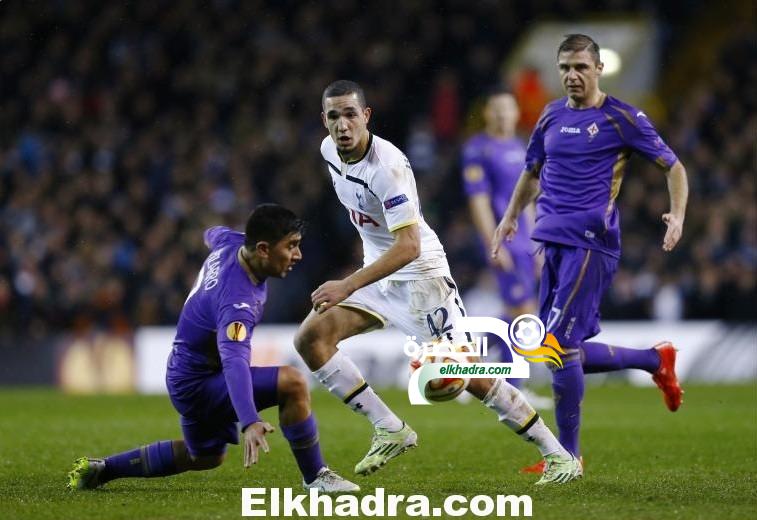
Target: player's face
346,121
283,255
502,113
579,74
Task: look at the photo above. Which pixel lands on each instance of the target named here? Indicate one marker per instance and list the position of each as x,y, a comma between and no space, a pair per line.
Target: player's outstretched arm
405,249
525,192
678,187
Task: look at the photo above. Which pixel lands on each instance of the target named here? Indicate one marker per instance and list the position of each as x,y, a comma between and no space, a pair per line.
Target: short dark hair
270,223
343,87
578,43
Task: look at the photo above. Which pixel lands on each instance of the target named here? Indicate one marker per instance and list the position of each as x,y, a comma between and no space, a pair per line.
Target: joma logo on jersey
570,130
360,219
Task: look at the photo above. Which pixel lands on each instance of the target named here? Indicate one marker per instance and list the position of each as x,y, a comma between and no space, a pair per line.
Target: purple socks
153,460
568,388
599,357
303,440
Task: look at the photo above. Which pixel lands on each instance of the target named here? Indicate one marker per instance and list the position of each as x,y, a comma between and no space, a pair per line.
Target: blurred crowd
127,128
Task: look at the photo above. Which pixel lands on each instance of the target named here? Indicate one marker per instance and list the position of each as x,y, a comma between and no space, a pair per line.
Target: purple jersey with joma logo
215,326
580,156
493,166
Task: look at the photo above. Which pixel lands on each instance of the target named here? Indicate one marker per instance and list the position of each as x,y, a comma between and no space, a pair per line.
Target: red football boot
538,468
665,377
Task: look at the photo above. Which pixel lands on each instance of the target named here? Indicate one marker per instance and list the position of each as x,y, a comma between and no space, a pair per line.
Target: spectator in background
125,129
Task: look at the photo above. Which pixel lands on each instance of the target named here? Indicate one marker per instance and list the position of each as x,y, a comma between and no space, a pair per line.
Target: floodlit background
126,128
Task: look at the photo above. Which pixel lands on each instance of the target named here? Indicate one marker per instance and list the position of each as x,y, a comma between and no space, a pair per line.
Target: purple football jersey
581,157
216,323
493,166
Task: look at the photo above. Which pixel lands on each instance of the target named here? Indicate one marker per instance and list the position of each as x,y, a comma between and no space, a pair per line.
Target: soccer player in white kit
405,281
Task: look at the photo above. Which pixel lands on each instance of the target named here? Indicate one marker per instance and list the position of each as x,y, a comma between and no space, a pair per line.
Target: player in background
491,165
405,281
574,164
209,378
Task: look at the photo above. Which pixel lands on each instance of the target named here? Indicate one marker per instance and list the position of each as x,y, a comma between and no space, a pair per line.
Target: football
447,388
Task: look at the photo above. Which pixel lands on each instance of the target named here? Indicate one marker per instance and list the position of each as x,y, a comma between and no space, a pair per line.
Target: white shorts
427,309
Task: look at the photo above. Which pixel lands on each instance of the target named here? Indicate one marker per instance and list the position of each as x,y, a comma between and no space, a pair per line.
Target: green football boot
385,446
85,474
560,470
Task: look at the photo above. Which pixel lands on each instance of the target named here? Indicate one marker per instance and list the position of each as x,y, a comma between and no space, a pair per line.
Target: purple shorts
573,281
519,285
208,419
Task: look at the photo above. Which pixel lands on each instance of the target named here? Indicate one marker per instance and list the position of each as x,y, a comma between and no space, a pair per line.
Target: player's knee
310,337
292,385
304,338
205,462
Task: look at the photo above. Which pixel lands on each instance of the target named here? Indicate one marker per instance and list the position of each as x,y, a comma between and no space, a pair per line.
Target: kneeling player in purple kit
209,378
574,167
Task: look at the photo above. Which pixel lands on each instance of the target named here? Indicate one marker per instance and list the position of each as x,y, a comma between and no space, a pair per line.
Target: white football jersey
380,196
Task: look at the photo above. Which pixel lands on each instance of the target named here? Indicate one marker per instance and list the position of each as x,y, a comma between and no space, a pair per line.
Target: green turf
642,461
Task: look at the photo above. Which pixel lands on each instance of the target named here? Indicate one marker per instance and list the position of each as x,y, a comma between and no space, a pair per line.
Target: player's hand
674,232
503,260
330,294
254,438
505,231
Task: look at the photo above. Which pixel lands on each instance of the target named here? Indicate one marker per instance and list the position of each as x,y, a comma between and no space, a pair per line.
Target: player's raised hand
330,294
505,231
254,438
674,232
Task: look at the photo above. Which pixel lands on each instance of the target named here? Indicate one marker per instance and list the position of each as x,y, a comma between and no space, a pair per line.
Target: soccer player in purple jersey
210,381
575,163
491,165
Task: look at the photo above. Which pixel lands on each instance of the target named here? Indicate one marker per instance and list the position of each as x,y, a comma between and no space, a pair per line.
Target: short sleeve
394,186
535,155
640,135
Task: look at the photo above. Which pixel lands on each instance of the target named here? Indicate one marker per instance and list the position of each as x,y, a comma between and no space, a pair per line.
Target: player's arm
639,134
482,215
234,350
405,249
527,188
678,187
526,191
394,187
478,189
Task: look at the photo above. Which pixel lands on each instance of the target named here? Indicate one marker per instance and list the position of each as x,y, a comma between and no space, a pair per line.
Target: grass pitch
641,460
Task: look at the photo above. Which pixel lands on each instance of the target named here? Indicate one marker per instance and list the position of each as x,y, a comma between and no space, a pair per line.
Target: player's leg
572,315
659,361
601,357
316,342
207,423
159,459
286,387
444,307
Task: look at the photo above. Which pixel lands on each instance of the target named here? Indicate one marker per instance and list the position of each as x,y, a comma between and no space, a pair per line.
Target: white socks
514,411
343,379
